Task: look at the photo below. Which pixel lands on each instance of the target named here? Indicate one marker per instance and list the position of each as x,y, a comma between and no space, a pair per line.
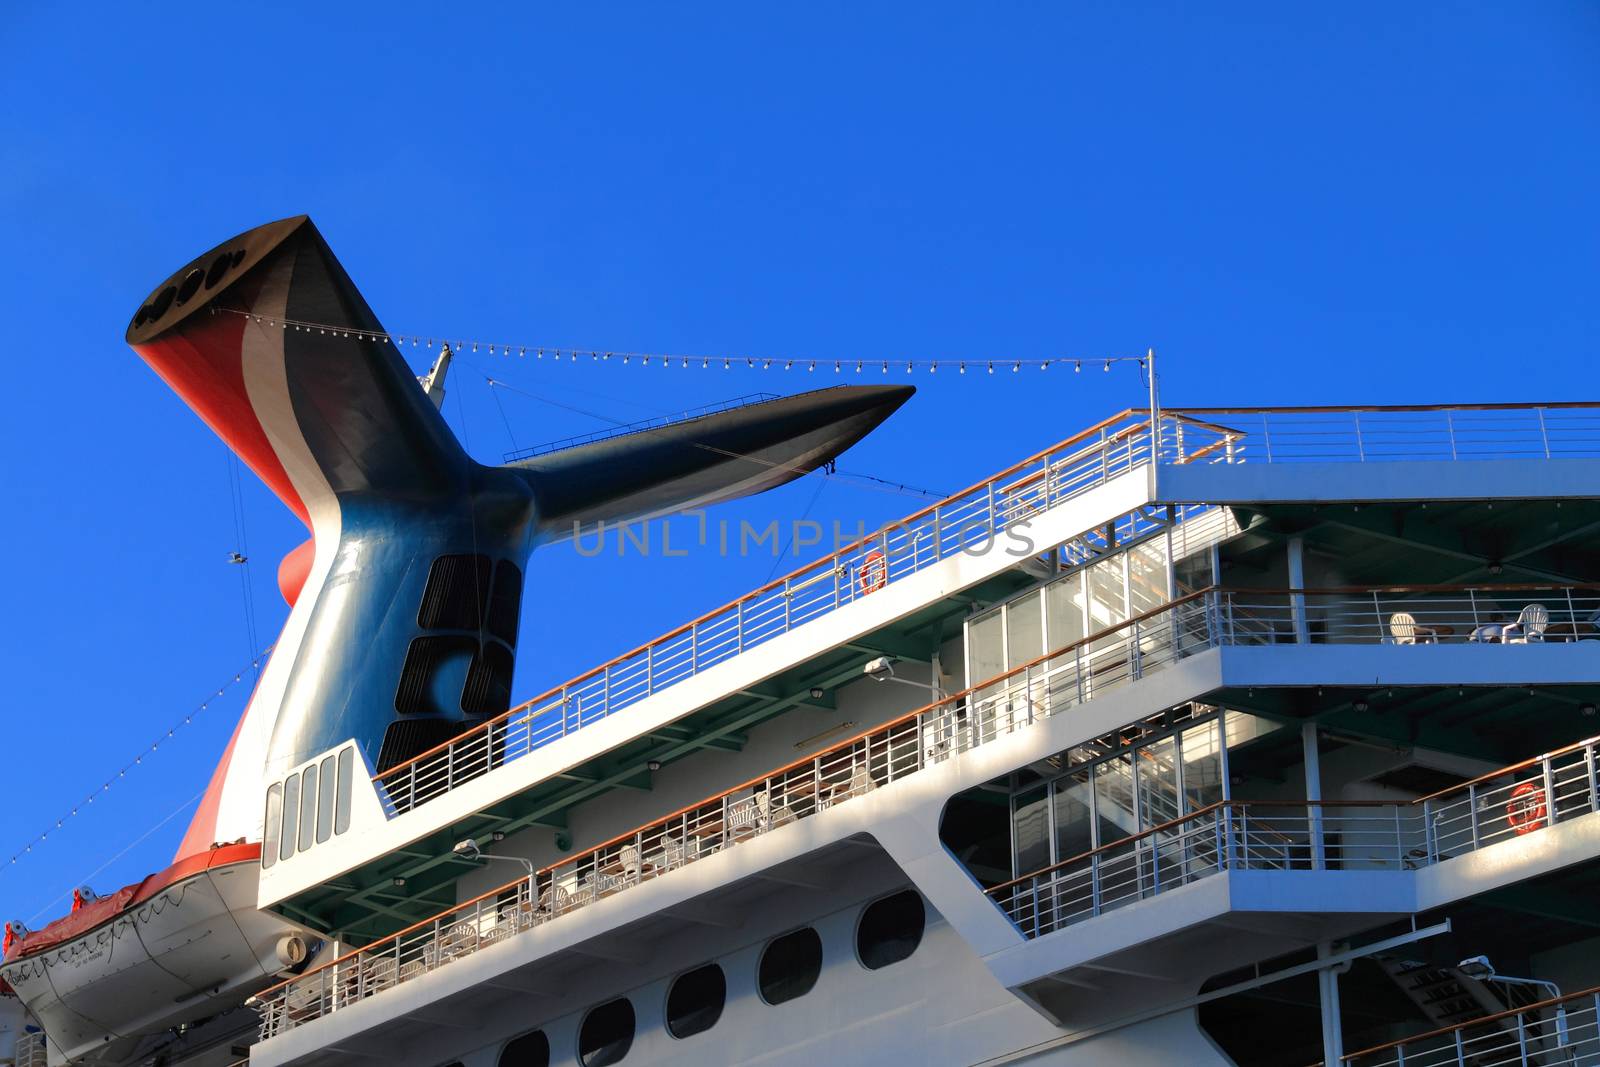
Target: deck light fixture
1480,969
467,849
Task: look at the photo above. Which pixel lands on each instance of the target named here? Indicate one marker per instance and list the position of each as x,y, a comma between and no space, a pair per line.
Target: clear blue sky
1293,203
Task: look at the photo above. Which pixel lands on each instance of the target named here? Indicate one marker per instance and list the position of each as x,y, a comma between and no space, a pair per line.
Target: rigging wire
241,555
822,483
254,664
571,354
135,843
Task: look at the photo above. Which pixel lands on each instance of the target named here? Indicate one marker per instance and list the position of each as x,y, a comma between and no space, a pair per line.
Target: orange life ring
874,572
1526,811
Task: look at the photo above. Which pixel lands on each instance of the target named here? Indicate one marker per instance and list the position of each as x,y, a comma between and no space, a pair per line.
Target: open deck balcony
1290,842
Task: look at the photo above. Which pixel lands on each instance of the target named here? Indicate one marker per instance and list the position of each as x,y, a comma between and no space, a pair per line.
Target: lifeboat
183,945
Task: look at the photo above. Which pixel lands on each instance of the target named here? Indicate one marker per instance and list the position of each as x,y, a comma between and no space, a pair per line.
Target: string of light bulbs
137,760
574,354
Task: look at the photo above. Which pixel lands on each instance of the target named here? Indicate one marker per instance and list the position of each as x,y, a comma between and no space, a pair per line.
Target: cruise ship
1246,736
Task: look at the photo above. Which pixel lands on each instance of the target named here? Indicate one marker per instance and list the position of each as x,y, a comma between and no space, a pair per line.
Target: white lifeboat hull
189,947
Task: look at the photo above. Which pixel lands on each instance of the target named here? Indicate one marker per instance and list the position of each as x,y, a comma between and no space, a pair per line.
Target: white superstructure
1203,737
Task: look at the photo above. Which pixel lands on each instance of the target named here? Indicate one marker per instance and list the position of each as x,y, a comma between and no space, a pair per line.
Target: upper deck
785,647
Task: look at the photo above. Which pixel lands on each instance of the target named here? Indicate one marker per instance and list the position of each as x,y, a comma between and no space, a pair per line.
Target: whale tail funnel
406,600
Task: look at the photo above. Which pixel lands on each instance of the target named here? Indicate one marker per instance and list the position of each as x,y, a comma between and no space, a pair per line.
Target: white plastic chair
1405,630
1530,625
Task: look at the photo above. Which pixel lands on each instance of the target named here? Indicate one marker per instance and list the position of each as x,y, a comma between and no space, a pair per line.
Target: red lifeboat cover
98,912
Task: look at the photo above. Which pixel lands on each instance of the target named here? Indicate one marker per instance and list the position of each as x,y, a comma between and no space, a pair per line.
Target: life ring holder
874,572
1526,810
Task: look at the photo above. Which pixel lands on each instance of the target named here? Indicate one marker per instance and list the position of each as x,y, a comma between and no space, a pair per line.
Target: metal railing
975,517
32,1050
1258,835
1503,805
1382,433
971,521
1412,615
1563,1030
852,768
1234,835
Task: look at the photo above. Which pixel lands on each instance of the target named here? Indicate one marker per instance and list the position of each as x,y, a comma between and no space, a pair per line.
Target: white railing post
1450,428
1361,446
1549,786
1472,816
1594,789
1544,433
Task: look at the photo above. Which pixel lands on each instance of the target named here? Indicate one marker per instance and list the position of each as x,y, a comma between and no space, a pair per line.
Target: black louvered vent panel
414,695
458,587
505,603
488,688
406,738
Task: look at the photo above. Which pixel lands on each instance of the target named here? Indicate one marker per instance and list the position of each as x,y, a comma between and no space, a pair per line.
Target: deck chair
1530,625
1405,630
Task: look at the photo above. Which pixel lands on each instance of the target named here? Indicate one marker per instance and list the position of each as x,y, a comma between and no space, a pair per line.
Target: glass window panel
271,825
291,816
1063,601
1031,830
347,767
308,805
1147,575
1113,796
1158,783
1202,765
1024,630
986,655
325,800
1107,604
1074,832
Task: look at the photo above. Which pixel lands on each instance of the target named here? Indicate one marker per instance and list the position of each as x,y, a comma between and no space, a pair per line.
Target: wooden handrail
826,561
1511,769
1441,1031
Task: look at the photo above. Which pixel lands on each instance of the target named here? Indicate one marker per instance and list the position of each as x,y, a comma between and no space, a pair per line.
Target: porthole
606,1034
790,966
694,1003
890,929
529,1050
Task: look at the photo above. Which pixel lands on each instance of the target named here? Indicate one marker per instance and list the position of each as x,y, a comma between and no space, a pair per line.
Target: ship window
341,812
325,800
694,1003
270,827
529,1050
1024,630
890,929
606,1034
308,805
790,966
291,815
